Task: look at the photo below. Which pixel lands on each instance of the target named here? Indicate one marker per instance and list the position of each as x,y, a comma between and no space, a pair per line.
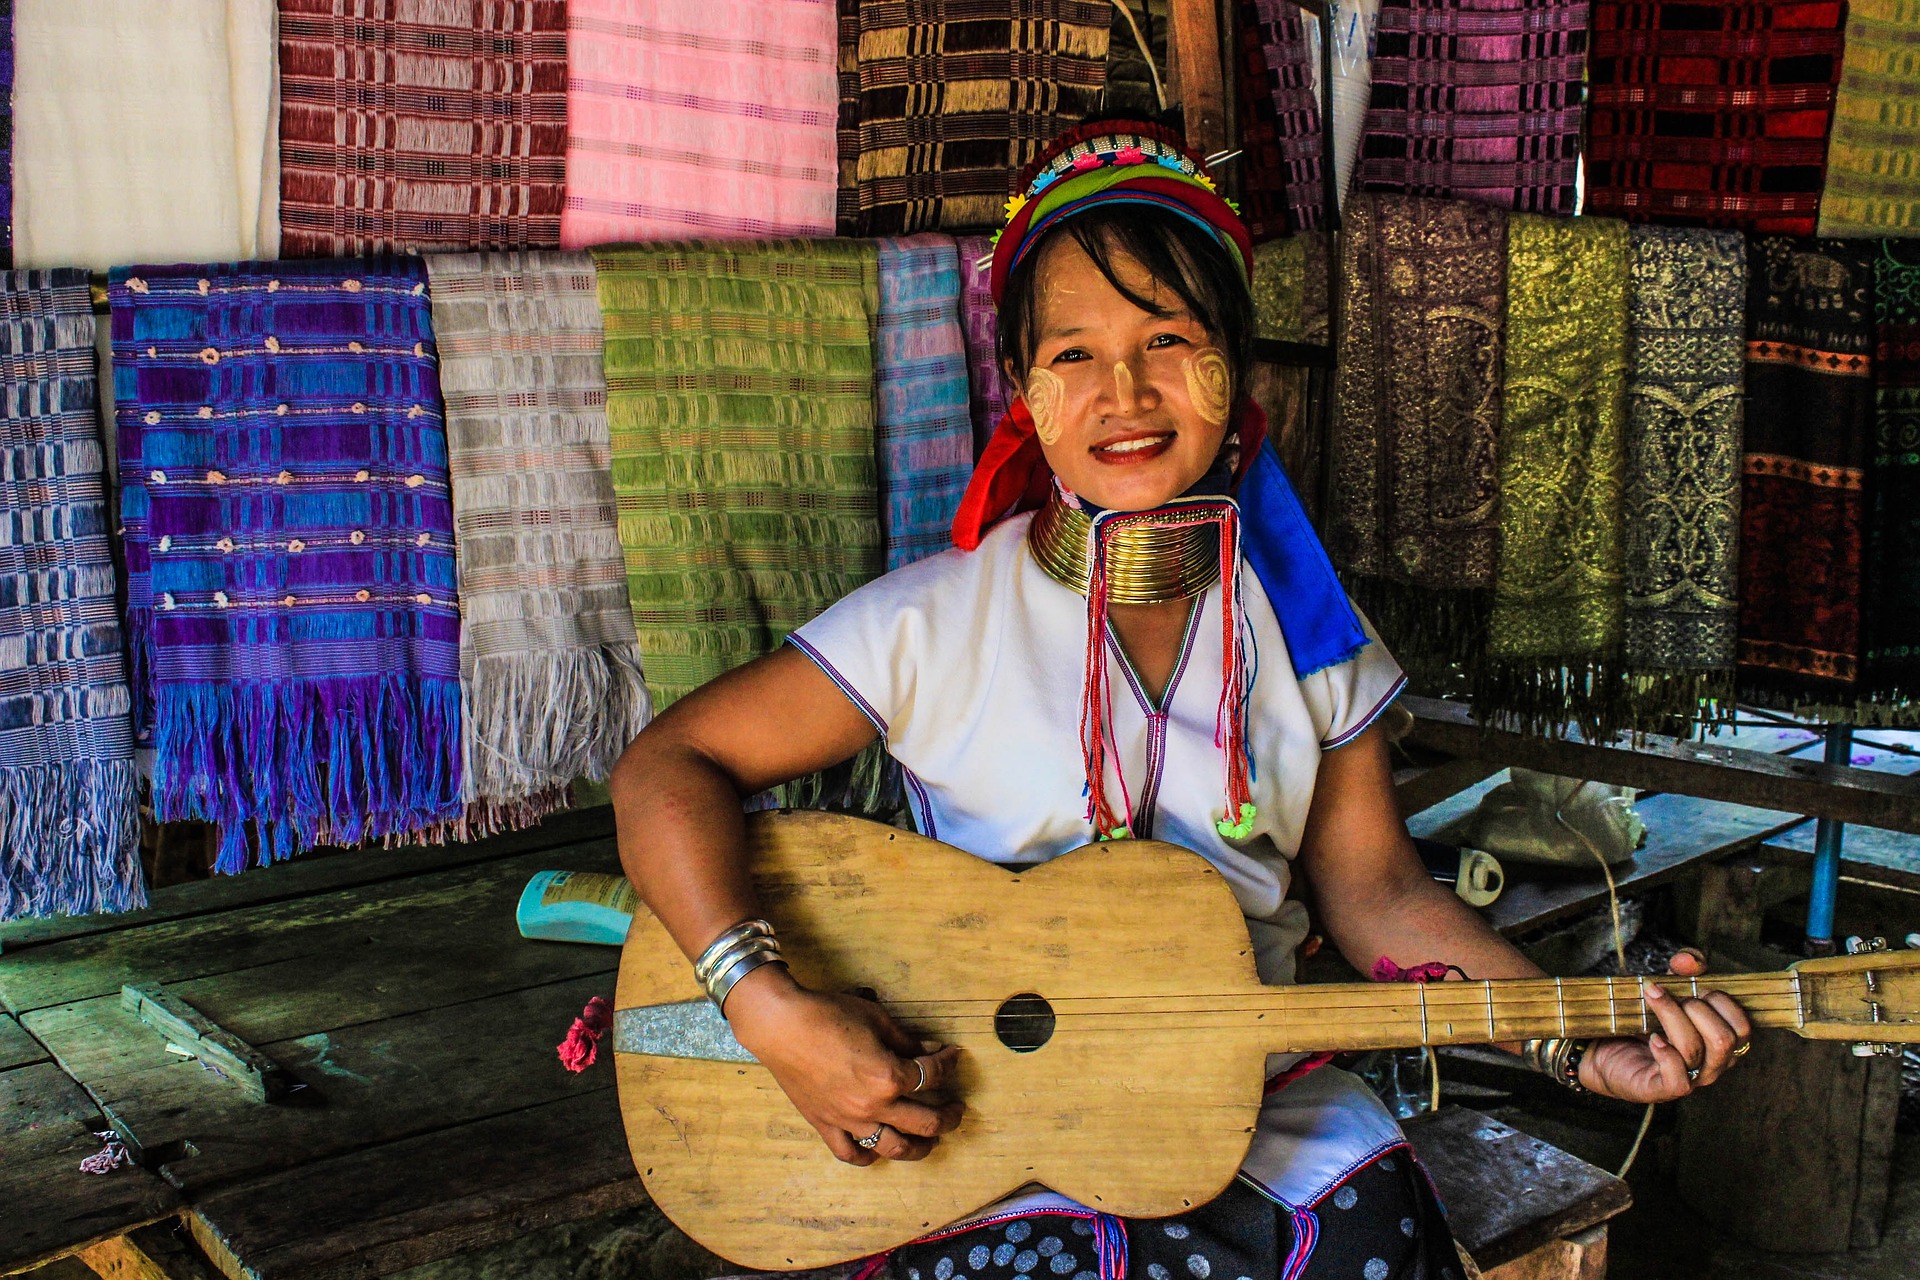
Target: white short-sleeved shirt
970,665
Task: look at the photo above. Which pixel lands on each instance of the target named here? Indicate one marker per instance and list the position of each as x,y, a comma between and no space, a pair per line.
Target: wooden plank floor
396,987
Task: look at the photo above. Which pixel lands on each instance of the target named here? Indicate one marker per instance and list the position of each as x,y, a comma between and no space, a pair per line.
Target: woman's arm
1376,899
676,794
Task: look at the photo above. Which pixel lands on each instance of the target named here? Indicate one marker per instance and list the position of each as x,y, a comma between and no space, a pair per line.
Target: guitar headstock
1870,996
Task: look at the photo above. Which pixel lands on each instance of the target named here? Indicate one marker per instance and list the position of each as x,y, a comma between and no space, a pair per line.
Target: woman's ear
1014,380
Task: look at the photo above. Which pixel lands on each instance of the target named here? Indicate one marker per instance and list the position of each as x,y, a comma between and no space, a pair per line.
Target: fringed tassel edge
1600,697
309,763
70,839
534,722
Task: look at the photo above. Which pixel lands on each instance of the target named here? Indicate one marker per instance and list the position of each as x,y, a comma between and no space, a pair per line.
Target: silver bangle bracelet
745,931
721,987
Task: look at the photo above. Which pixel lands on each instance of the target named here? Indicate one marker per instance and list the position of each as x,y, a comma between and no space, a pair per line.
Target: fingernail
1651,991
1657,1040
931,1046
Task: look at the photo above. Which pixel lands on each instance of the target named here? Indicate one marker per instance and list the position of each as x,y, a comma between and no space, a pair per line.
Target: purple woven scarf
987,387
1477,100
289,535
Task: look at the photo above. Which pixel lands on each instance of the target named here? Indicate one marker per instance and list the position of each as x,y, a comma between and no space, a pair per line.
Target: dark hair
1173,251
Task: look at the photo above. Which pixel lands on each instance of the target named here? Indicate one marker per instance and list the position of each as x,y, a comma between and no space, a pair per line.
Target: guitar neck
1401,1015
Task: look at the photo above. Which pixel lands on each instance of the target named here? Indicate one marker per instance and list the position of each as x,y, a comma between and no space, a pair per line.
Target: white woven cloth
550,678
144,132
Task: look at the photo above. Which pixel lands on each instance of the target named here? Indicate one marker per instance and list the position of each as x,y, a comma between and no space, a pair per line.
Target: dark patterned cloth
1714,114
1382,1223
1416,494
1892,603
1478,100
6,133
954,98
1280,134
424,124
1686,347
1809,439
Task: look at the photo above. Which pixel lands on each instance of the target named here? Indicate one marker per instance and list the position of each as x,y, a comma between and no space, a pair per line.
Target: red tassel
1385,970
582,1045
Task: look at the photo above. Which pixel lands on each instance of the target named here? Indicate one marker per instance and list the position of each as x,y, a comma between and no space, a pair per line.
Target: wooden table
395,985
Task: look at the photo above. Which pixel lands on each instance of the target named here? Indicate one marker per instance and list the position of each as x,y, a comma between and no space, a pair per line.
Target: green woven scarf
1559,593
740,404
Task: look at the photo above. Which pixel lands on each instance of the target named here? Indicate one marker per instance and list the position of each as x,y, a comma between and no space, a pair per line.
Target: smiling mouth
1136,449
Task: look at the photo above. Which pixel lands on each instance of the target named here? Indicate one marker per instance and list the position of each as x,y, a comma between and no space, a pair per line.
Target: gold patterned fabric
1416,453
1290,288
1873,167
1686,348
1559,592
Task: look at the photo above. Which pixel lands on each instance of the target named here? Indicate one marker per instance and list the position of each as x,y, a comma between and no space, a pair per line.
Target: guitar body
1132,1121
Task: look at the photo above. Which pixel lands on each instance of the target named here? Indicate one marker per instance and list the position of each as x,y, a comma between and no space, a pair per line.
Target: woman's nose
1130,396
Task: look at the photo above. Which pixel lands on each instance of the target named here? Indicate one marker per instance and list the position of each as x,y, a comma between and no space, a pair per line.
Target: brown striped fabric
421,124
951,97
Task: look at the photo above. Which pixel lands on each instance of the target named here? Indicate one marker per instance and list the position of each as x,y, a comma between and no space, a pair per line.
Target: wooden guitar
1115,1034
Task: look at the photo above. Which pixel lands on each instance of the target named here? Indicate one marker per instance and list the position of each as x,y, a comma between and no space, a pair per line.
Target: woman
1242,729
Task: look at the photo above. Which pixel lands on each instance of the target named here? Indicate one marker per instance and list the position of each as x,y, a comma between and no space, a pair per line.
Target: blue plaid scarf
923,430
69,817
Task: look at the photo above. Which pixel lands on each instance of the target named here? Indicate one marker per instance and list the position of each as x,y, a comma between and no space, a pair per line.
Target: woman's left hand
1697,1041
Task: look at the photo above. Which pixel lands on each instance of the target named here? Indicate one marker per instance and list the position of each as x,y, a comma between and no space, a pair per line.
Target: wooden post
1195,36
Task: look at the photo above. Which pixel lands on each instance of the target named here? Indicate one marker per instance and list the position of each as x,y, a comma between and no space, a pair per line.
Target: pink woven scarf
706,119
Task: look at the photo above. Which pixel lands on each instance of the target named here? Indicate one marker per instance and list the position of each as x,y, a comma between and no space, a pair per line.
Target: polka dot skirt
1382,1223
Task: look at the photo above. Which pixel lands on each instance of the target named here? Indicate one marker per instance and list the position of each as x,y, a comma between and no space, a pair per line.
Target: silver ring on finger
1693,1073
872,1140
921,1067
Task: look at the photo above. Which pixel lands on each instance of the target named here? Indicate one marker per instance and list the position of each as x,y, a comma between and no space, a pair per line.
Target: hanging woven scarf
1559,597
954,98
143,132
699,118
289,540
1711,114
1873,170
1892,603
1686,348
551,688
1280,136
421,124
1477,100
987,386
740,397
1290,288
69,813
1809,439
6,140
1416,452
923,430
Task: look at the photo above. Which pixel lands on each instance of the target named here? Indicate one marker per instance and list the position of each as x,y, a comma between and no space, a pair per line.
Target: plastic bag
1544,820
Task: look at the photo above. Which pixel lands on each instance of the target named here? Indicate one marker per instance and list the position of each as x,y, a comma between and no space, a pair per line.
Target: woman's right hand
847,1067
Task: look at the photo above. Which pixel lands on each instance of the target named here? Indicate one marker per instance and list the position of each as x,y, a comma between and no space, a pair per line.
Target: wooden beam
151,1253
1702,769
1196,41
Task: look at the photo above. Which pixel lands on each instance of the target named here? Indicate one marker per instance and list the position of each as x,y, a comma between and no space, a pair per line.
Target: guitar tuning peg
1858,945
1913,941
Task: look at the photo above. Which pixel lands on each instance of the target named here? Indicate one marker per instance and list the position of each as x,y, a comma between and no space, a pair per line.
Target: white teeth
1133,446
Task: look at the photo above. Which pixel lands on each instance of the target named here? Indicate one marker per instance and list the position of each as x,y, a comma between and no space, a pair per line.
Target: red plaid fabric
1282,187
1714,113
1477,100
421,124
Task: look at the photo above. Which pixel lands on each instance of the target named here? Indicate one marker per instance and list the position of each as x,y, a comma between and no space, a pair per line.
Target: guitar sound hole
1024,1022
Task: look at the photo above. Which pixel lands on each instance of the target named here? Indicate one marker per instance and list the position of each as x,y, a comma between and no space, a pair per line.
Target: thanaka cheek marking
1044,391
1208,384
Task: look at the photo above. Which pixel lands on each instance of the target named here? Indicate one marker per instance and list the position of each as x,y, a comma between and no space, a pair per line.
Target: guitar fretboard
1348,1016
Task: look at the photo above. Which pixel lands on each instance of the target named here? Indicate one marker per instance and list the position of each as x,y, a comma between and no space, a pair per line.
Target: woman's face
1130,407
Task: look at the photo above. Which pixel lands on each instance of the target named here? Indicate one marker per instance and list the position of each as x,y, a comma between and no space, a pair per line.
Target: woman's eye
1072,355
1165,340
